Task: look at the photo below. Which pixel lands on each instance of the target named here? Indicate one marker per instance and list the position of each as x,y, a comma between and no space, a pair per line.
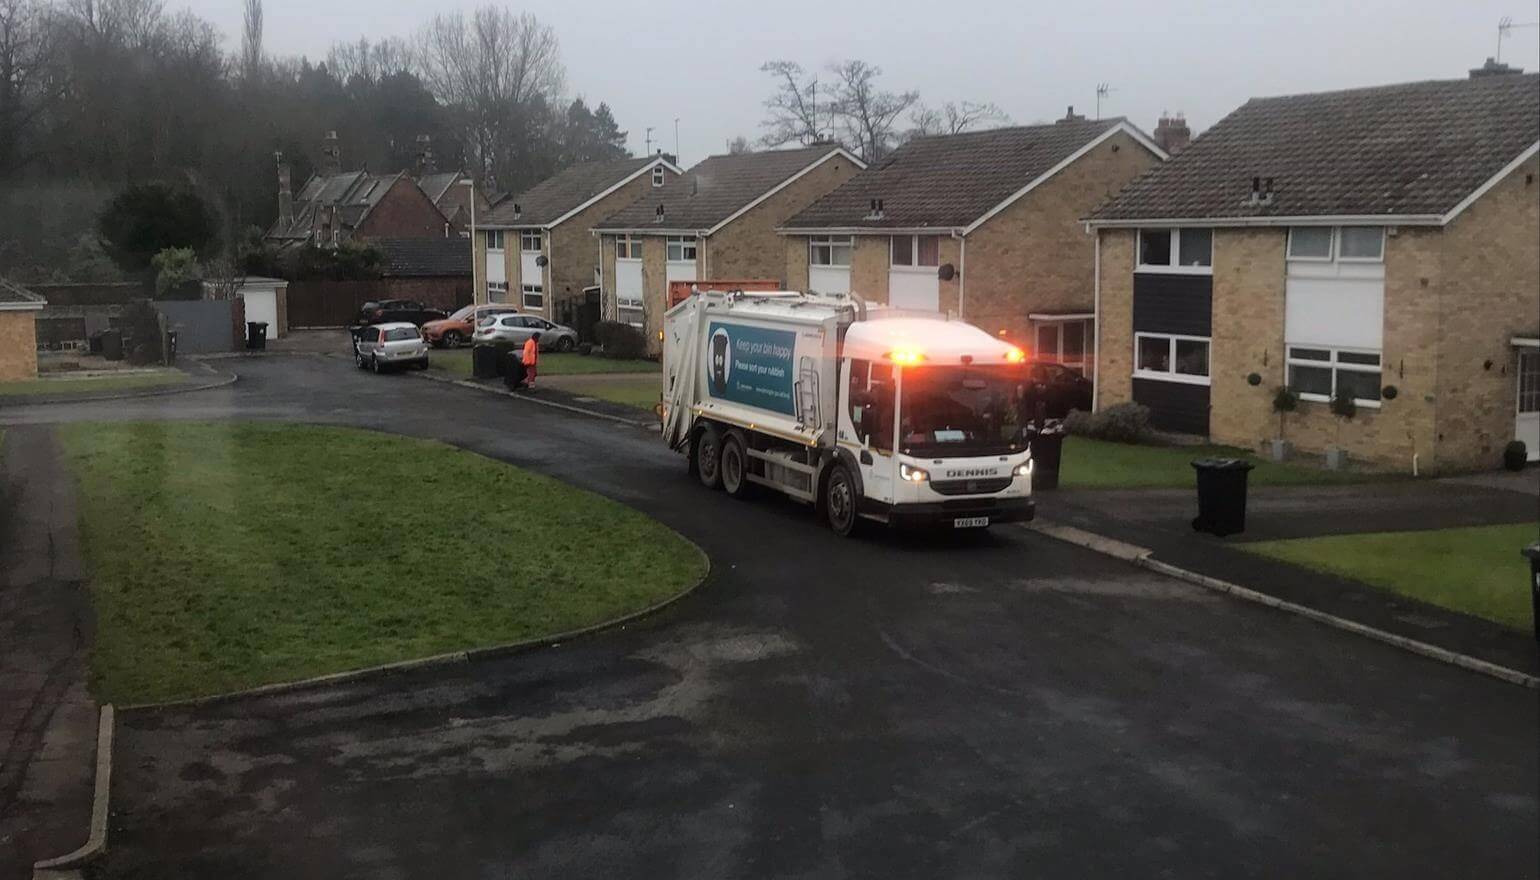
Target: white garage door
262,305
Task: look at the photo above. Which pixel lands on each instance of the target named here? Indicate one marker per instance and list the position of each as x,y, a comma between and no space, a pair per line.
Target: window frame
1337,238
914,264
1175,253
631,244
497,235
1332,364
683,242
535,290
1171,375
497,287
525,235
1531,390
658,178
830,243
1331,246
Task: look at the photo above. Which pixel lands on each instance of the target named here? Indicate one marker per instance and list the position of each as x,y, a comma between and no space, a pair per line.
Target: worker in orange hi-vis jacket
531,359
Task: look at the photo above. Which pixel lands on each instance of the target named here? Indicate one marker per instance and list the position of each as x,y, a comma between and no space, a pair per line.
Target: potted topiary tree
1284,402
1343,407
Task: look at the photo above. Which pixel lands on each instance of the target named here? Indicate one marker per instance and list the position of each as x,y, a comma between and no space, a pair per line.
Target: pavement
970,705
47,716
1161,520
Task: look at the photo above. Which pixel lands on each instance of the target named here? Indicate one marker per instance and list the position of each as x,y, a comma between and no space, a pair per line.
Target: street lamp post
476,287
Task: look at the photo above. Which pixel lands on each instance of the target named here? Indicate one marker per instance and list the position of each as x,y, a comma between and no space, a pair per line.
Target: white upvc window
628,247
497,291
681,249
915,251
1171,358
1320,372
1188,250
1529,382
494,239
529,241
830,250
1342,244
533,295
657,175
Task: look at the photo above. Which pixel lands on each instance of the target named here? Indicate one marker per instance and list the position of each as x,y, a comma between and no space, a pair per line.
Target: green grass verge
640,393
1475,570
458,361
97,385
225,556
1099,464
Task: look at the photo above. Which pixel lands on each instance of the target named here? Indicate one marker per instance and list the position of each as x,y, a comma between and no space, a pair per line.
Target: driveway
976,705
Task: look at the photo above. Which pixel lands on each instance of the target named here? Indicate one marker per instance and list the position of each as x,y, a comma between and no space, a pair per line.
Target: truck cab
867,413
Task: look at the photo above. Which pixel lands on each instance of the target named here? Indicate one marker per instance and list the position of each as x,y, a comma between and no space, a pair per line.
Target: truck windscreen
961,410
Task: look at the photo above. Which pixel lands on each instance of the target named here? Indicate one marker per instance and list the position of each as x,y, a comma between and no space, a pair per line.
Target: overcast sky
699,61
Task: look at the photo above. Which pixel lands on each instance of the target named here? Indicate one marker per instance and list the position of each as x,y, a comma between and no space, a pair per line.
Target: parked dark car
391,311
1060,389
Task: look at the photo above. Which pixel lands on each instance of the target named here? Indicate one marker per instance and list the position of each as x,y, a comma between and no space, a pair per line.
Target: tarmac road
977,705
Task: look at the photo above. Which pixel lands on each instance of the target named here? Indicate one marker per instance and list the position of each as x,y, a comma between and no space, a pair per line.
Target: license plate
970,522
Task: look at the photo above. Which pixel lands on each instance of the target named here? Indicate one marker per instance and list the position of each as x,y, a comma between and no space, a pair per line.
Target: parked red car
456,329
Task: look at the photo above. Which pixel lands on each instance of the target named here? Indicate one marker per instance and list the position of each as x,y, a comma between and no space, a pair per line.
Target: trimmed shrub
620,341
1122,423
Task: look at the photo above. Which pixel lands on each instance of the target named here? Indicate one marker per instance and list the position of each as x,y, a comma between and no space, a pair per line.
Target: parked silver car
398,344
515,329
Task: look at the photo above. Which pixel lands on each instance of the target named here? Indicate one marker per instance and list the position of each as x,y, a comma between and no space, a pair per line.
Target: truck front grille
971,487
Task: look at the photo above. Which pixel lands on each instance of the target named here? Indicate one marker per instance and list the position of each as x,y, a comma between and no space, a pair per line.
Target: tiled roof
1411,149
437,184
425,257
353,193
16,296
950,180
715,189
564,191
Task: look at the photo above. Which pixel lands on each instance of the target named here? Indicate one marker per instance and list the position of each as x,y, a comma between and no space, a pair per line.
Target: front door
1526,424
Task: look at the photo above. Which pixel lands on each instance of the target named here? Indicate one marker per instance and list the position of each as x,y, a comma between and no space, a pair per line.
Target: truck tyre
839,501
708,457
735,465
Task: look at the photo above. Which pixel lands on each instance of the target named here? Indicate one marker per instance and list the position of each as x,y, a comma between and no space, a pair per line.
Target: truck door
870,414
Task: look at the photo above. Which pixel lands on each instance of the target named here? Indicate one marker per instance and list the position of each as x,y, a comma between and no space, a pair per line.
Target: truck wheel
708,457
735,465
839,501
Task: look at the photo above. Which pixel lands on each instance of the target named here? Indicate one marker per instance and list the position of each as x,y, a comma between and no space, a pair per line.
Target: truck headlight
912,474
1024,469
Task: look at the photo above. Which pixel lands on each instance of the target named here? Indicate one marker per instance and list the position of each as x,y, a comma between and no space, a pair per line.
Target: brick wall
1248,303
1035,256
606,254
749,247
405,211
795,273
1115,324
572,248
868,267
18,345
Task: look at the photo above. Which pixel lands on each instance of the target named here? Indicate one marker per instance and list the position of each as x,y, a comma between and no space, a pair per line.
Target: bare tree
865,114
955,118
499,72
793,117
739,144
251,41
371,62
28,79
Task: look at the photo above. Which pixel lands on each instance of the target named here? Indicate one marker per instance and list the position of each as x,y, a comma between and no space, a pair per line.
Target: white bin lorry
865,413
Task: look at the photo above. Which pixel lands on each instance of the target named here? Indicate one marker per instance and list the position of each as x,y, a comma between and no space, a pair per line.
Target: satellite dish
541,260
947,272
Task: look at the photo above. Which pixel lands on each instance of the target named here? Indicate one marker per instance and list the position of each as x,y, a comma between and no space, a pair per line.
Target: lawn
94,385
1476,570
225,556
458,361
1100,464
641,393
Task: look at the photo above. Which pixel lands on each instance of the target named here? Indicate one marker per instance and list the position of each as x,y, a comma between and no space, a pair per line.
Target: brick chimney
285,193
1071,116
426,164
331,155
1493,67
1172,133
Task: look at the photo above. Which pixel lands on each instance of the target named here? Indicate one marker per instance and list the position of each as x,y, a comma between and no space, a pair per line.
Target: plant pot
1280,449
1336,459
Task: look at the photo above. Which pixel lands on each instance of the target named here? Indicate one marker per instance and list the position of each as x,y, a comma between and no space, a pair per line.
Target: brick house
534,249
450,193
335,206
1380,243
717,221
985,225
19,308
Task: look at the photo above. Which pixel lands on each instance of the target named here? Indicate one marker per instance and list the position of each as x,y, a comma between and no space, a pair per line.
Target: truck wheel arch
841,456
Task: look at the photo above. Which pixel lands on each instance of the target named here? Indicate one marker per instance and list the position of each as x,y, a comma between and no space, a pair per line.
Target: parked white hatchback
400,344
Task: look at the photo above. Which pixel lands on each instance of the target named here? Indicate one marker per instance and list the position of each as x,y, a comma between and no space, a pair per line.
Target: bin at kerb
1221,495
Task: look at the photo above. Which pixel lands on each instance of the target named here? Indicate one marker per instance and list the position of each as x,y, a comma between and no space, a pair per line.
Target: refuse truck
867,413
